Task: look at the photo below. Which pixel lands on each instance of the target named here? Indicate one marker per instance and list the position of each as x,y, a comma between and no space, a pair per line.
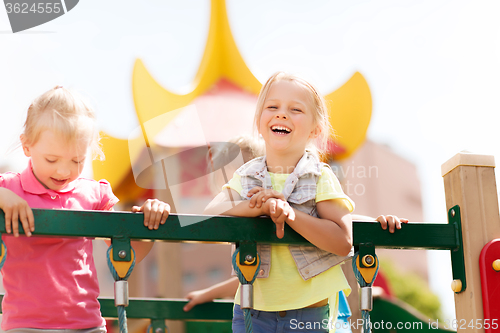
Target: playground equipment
471,199
122,227
469,182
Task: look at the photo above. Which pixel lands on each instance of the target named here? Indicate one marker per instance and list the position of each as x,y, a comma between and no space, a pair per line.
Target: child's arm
229,202
16,209
221,290
331,232
391,221
155,213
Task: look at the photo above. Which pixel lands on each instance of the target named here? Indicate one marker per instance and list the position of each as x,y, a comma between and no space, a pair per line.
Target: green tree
412,289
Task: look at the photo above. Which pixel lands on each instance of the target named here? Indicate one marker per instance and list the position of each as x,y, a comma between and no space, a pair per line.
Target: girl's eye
79,162
272,107
50,161
297,110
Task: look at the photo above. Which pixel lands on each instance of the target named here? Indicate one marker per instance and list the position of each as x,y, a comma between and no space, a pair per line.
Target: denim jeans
311,320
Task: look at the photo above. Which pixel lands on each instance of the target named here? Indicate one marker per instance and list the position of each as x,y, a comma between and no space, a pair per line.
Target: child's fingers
400,221
165,213
279,218
259,199
155,215
398,224
266,197
272,207
254,200
393,223
24,221
193,300
189,306
291,215
254,190
273,194
8,222
136,209
390,223
146,209
280,230
15,223
383,221
251,202
262,196
31,218
280,225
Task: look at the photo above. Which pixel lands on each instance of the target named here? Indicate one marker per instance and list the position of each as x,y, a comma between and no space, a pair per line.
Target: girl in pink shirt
51,283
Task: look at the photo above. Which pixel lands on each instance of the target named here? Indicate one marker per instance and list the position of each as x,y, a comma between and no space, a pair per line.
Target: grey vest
300,192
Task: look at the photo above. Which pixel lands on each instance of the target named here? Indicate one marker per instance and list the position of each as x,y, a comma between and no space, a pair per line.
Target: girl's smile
280,130
59,182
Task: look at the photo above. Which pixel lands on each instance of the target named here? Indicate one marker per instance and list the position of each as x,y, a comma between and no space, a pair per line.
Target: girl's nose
63,172
281,115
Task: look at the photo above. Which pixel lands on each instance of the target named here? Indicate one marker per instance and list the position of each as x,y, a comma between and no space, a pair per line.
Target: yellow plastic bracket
3,251
247,270
367,272
121,267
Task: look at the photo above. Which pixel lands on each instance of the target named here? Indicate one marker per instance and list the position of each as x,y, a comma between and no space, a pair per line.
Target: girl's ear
315,133
26,148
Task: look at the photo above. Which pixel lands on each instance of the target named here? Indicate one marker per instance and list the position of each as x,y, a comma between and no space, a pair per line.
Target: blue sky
432,66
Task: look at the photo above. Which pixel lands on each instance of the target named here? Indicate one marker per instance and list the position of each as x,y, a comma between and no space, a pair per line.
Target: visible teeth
280,128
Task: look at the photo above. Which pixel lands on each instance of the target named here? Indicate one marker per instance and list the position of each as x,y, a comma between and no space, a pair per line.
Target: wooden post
469,181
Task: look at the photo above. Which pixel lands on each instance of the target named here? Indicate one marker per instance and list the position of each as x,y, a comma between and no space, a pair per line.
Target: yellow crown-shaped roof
350,105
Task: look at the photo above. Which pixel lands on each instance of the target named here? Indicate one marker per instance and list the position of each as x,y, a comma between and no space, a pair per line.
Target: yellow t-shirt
285,289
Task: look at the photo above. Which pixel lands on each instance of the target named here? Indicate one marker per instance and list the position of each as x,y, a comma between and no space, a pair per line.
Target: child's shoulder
99,190
9,177
93,181
93,185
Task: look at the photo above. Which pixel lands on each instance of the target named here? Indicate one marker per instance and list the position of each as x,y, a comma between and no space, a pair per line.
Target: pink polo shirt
51,283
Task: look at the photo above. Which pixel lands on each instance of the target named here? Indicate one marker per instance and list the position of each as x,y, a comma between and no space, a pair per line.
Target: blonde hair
320,110
67,114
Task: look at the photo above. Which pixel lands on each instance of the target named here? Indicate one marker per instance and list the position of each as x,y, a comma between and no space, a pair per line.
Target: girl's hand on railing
198,297
155,213
16,210
223,289
280,212
391,221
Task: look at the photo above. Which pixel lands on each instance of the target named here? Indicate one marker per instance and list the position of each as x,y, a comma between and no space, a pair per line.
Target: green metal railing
122,227
165,308
224,229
